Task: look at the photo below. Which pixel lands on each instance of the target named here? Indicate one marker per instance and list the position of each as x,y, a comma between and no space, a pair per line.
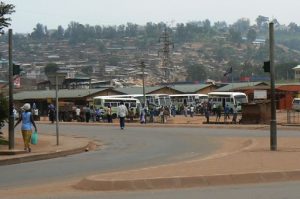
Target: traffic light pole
273,128
11,119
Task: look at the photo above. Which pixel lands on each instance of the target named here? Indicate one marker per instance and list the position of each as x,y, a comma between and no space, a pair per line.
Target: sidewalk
45,149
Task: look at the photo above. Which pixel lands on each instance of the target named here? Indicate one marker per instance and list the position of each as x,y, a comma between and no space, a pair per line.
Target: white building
297,72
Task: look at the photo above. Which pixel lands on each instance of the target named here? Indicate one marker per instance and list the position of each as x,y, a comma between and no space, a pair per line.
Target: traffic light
16,69
266,66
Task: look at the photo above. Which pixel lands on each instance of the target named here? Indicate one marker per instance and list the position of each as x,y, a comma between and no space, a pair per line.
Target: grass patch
3,141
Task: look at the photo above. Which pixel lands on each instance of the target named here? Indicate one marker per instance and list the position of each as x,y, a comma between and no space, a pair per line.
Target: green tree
196,72
293,27
235,36
5,9
242,25
39,32
76,33
262,22
51,68
59,33
251,35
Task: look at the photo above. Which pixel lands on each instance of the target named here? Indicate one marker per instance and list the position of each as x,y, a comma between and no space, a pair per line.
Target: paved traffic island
238,161
45,149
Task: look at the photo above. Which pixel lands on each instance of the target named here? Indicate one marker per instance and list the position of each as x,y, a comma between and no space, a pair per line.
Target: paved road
130,148
134,147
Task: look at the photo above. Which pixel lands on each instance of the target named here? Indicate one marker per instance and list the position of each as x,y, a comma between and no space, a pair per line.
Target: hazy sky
115,12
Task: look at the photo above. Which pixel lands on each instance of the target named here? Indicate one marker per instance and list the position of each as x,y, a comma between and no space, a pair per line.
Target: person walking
206,112
234,117
87,112
51,113
109,114
122,112
192,109
218,113
226,113
77,112
185,109
27,123
143,112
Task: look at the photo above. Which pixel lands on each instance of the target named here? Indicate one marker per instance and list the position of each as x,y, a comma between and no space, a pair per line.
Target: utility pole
11,119
165,56
273,128
57,109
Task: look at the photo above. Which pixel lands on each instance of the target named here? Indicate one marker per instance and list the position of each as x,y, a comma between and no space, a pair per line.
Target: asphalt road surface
131,148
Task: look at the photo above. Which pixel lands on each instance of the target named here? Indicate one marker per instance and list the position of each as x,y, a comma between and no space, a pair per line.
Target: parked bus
103,102
156,100
228,98
188,99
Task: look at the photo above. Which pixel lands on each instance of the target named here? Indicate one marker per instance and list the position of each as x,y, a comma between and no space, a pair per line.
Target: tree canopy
5,9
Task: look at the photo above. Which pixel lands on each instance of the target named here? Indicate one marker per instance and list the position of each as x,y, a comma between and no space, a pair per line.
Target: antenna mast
164,53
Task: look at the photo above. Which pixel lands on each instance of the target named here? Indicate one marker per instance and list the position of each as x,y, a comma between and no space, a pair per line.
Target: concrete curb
45,156
92,184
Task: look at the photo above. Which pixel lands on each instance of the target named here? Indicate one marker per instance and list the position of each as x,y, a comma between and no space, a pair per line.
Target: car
296,104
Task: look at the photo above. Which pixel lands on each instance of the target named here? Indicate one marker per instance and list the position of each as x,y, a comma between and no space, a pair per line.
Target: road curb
93,184
45,156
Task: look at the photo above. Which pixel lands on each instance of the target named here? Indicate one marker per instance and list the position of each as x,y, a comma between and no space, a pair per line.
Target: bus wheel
114,115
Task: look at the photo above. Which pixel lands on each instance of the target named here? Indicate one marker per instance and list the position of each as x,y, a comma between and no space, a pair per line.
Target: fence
293,117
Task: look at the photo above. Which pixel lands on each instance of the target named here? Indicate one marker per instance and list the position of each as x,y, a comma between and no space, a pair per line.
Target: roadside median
239,161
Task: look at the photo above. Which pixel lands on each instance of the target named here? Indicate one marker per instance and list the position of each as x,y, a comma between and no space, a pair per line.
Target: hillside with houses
193,52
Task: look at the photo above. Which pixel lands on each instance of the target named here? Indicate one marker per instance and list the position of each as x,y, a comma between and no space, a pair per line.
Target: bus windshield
240,99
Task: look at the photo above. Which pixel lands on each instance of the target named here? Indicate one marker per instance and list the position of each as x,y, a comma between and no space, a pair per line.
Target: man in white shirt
122,112
77,110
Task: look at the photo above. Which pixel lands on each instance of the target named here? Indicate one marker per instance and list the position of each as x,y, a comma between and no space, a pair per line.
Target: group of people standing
217,110
89,113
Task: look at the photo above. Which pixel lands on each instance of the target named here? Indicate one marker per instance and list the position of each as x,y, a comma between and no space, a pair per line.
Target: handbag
34,137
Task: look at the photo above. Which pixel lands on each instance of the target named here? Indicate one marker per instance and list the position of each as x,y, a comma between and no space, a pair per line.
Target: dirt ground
281,117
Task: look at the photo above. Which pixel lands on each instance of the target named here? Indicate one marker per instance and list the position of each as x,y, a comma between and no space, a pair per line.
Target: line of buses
156,101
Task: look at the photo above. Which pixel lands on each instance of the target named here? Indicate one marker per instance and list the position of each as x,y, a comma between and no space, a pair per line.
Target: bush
3,110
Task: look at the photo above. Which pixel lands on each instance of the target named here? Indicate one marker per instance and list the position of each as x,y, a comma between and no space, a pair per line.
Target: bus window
132,104
97,102
114,104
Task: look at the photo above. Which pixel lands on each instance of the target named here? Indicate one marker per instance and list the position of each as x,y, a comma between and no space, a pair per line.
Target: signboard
260,94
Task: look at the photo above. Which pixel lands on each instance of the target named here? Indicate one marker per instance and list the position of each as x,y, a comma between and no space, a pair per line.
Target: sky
53,13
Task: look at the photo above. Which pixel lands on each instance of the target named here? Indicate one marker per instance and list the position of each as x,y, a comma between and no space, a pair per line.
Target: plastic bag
34,138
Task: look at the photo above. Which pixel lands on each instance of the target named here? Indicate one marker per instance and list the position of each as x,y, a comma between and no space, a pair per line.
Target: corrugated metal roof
62,93
232,86
297,67
190,88
137,90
